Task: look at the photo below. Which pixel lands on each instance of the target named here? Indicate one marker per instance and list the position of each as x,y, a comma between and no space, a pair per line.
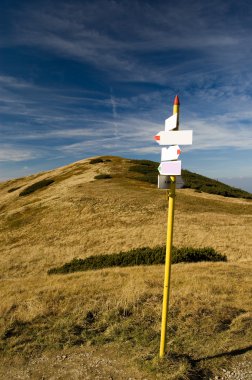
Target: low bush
96,161
212,186
148,169
14,189
140,256
102,176
36,186
144,162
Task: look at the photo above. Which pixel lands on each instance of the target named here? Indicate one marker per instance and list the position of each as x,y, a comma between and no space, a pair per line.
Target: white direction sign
164,182
170,168
171,122
174,137
171,153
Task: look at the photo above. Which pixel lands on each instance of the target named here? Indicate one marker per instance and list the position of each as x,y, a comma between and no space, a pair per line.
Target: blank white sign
171,122
164,182
170,168
174,138
171,153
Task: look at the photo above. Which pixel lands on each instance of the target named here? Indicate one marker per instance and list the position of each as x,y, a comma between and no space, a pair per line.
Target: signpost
168,169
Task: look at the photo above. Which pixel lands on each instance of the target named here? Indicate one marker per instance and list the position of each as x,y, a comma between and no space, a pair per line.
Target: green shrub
14,189
140,256
144,162
96,161
102,176
212,186
36,186
148,169
193,255
143,169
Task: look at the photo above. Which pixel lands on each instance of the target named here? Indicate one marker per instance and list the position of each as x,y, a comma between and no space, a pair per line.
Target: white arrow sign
174,137
171,153
171,122
170,168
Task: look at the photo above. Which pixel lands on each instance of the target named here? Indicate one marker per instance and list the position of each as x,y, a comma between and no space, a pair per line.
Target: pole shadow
236,352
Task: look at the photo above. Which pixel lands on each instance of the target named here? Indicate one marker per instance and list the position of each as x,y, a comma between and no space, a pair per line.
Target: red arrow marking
157,137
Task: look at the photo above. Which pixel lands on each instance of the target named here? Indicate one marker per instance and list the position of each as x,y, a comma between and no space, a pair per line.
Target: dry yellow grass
78,216
209,311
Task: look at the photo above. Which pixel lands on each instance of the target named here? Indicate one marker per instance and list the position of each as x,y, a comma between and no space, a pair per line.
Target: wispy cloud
137,136
13,82
10,153
86,32
124,132
114,113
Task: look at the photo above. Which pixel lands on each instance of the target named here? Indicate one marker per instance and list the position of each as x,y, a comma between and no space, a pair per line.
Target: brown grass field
105,324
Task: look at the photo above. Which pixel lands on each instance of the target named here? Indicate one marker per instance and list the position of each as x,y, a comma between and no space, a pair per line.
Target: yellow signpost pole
167,277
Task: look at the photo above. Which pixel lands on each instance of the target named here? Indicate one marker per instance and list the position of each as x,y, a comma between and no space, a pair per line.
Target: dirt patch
83,363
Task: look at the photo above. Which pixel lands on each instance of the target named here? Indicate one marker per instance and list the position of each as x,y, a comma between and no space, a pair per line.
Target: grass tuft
96,161
139,256
14,189
36,186
102,176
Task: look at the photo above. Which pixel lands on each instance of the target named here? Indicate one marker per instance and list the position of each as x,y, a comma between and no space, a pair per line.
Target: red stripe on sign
157,137
178,151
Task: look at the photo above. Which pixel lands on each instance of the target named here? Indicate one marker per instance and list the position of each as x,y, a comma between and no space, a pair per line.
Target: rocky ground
242,371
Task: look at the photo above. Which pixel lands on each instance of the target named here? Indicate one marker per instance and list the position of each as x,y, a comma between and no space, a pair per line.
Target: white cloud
133,130
137,136
13,82
10,153
221,131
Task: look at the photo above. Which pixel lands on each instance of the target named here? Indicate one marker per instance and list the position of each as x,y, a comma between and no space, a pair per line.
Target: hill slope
76,215
149,171
82,216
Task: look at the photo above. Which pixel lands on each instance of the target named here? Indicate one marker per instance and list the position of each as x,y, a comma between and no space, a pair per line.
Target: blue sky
80,79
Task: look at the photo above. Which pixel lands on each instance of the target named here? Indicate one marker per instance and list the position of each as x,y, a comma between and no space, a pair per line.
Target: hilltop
104,205
147,171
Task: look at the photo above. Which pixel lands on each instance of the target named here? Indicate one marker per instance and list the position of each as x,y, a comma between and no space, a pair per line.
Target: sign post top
176,101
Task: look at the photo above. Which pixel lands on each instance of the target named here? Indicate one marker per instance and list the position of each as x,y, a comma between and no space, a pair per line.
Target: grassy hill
99,206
